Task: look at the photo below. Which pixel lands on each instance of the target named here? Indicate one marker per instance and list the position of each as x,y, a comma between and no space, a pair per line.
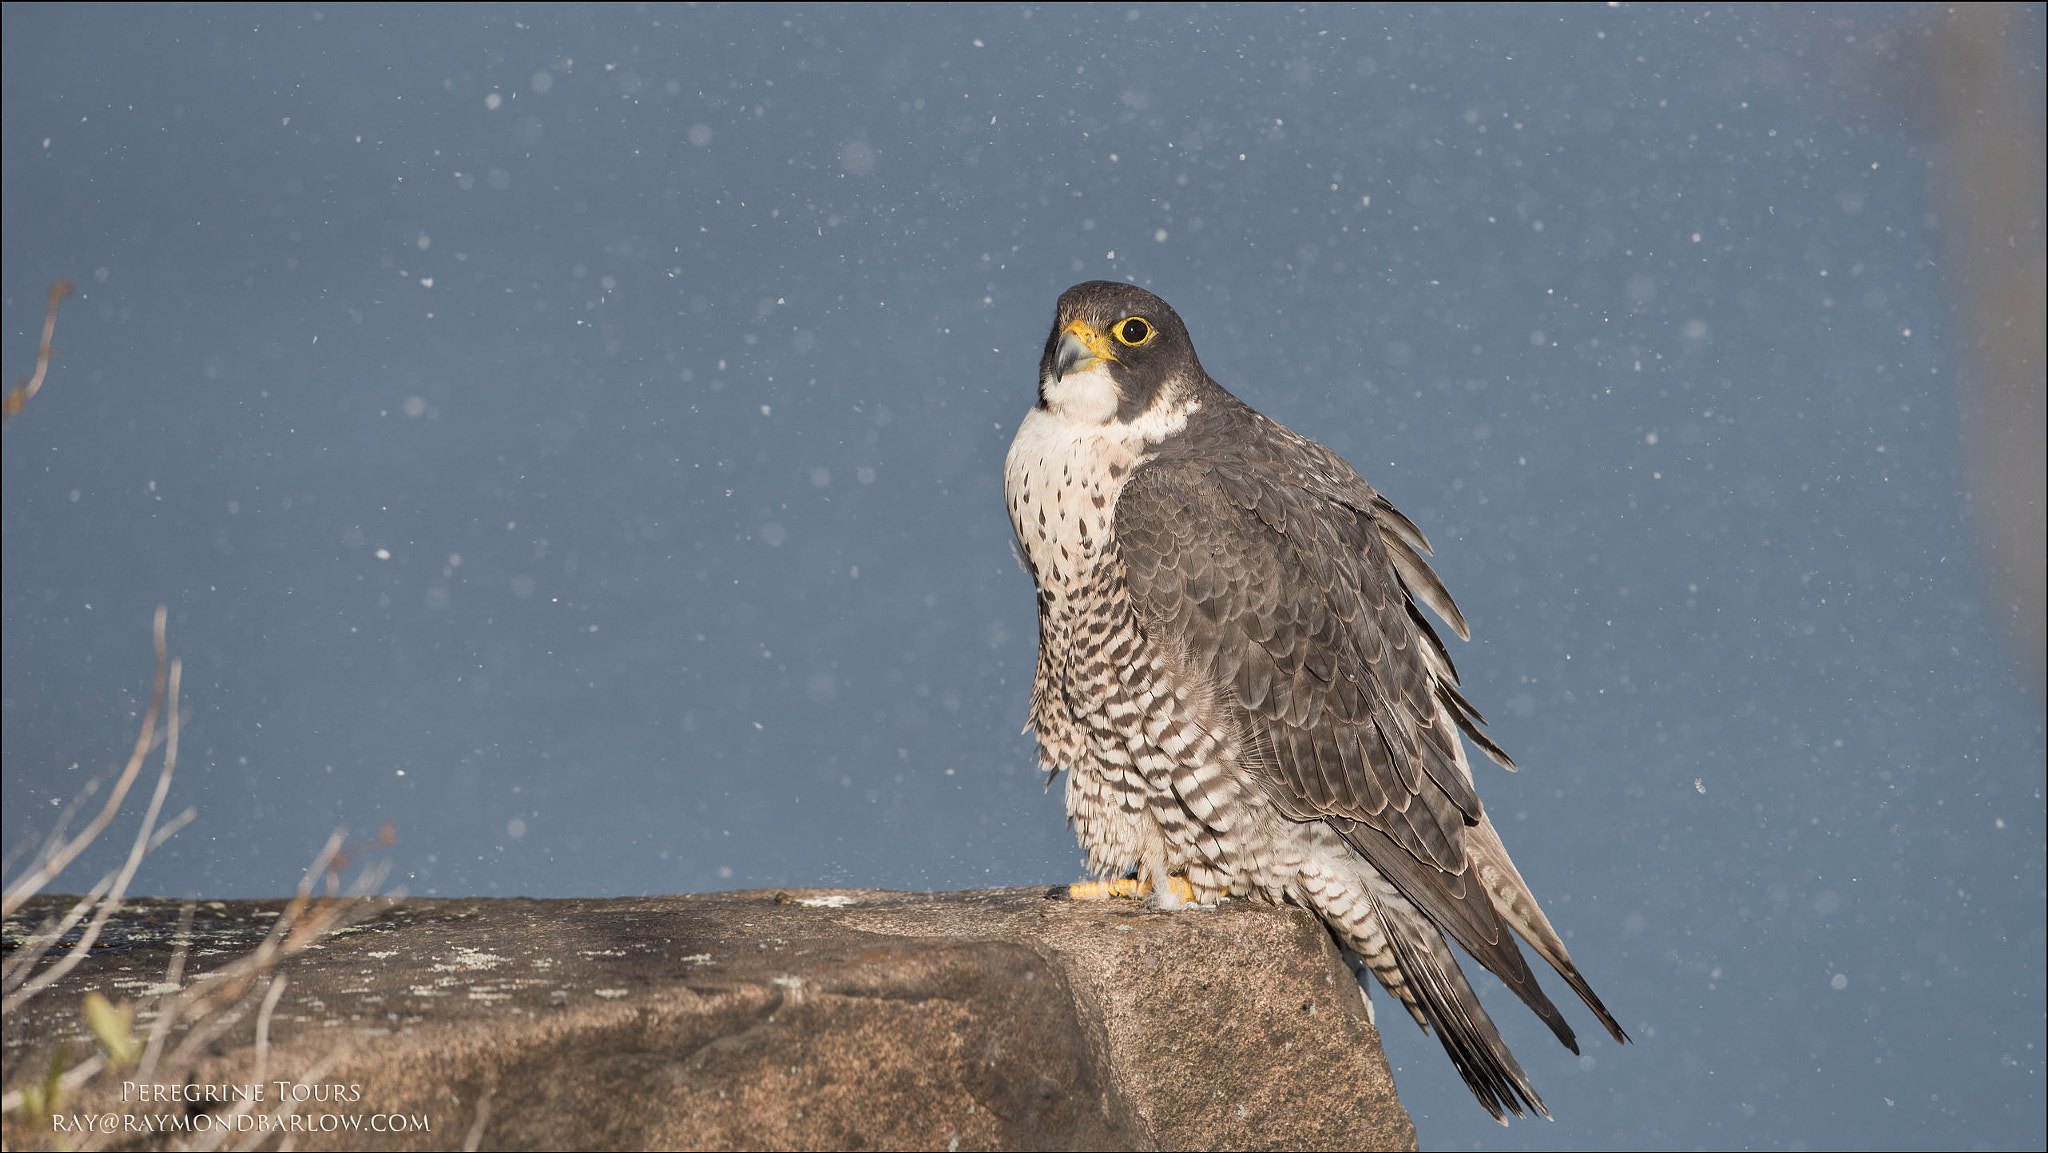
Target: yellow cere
1097,346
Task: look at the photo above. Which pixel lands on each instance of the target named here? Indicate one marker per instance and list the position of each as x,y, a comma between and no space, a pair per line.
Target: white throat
1088,397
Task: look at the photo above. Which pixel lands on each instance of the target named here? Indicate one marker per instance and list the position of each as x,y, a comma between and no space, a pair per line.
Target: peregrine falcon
1234,671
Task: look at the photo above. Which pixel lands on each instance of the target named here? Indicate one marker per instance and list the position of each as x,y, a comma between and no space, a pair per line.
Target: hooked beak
1080,347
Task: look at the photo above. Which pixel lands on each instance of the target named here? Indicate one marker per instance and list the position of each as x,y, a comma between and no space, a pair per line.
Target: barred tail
1414,962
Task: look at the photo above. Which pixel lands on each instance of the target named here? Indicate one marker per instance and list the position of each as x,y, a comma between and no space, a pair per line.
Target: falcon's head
1116,352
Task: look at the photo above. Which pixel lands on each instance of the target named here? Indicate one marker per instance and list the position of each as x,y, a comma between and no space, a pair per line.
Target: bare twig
303,923
288,1106
112,901
187,1018
48,933
58,853
174,982
474,1141
73,1077
270,999
18,397
38,943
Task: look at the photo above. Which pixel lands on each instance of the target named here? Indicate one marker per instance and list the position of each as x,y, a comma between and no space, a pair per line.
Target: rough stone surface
816,1019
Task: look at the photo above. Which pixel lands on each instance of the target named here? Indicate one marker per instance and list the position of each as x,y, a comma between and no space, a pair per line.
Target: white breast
1068,463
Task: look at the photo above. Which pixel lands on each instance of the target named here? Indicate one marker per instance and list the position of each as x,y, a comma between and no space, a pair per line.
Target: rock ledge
801,1018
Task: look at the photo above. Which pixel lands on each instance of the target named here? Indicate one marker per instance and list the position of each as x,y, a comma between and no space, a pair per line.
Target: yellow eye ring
1132,330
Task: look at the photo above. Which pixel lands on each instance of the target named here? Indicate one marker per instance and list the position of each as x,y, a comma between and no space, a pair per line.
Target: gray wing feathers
1422,581
1289,581
1292,602
1325,474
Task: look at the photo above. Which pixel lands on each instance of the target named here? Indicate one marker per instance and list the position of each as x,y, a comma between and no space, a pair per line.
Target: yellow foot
1128,887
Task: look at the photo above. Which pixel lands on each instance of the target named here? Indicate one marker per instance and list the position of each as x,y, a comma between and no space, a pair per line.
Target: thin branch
50,931
288,1106
270,999
474,1140
174,982
112,901
59,854
18,397
69,1083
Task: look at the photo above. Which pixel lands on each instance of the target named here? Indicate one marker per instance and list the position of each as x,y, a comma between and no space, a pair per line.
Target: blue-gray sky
576,435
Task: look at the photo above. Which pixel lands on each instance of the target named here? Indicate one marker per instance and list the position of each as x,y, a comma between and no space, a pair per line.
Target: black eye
1133,330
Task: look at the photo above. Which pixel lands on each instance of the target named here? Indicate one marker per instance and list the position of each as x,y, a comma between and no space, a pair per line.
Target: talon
1177,891
1105,890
